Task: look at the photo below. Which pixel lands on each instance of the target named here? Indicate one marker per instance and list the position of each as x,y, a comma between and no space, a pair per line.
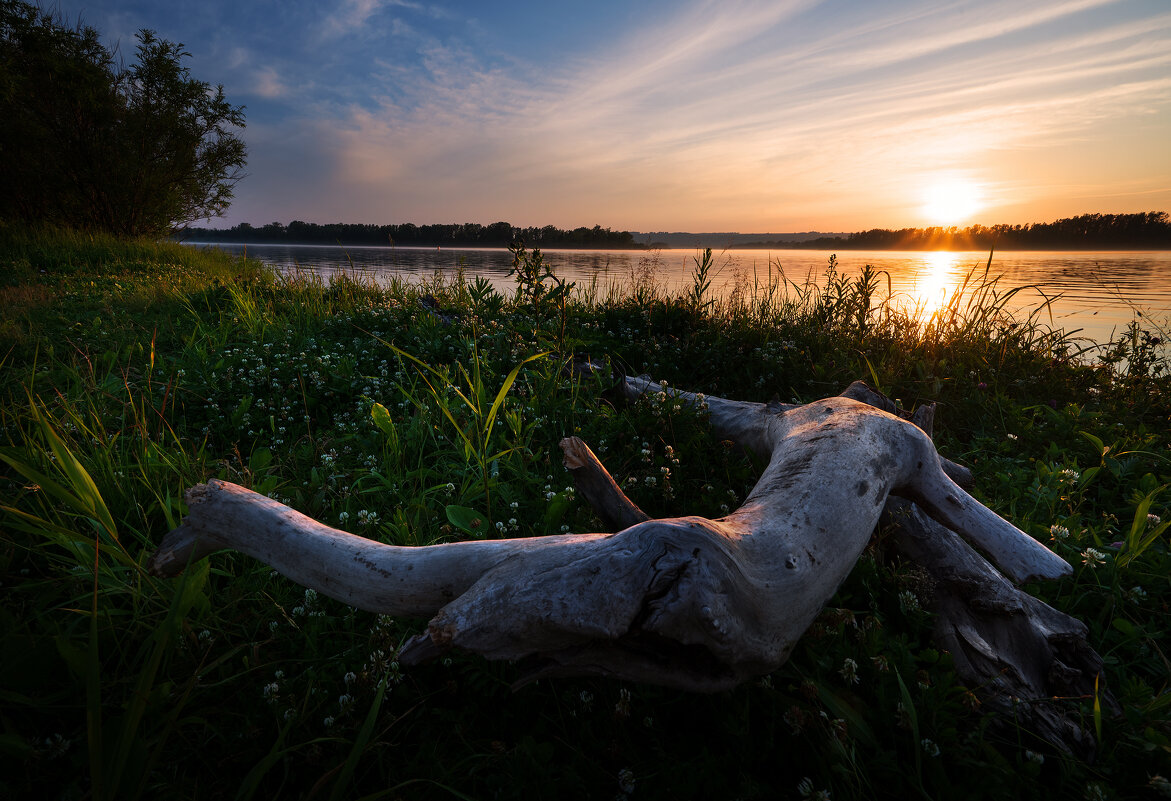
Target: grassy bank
129,372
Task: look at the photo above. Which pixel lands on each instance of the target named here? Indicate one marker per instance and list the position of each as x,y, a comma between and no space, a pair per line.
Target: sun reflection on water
937,279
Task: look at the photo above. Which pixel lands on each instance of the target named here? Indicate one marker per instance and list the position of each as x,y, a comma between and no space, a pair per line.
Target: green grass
130,371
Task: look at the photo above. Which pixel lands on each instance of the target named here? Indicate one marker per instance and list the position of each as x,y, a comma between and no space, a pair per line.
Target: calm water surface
1095,293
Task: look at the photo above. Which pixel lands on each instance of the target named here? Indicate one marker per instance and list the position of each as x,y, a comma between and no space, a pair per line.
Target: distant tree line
1141,231
499,234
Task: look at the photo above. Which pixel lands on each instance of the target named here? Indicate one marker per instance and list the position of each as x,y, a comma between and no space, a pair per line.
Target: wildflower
1091,557
1012,437
880,663
278,674
1033,756
345,701
626,780
343,517
1058,533
269,691
1068,475
908,602
328,721
1154,520
1136,594
849,671
1095,792
350,677
929,747
1160,785
622,708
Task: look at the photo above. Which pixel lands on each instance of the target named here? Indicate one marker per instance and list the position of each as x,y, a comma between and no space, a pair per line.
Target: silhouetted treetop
498,234
1140,231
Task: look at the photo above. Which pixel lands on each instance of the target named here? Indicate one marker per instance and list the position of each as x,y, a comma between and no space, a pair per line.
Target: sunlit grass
407,412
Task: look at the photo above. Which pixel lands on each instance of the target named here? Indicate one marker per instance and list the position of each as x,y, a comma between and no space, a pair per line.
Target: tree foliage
498,234
1141,230
91,143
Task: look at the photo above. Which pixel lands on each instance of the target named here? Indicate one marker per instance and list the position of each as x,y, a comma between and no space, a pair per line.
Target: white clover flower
1092,557
350,677
1058,533
929,747
1069,475
1160,785
1136,594
909,602
849,671
1154,520
328,721
626,780
1033,756
1095,792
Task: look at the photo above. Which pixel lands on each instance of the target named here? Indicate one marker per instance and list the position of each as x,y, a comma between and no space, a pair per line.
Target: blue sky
790,115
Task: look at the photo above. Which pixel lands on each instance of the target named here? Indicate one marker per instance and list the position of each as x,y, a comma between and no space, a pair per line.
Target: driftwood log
690,602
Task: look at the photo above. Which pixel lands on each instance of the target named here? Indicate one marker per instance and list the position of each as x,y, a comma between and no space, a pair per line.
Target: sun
951,202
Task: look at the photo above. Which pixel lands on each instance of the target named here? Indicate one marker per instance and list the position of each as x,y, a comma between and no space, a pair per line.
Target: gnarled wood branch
687,602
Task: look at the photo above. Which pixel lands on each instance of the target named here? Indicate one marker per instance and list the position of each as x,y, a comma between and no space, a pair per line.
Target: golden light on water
937,281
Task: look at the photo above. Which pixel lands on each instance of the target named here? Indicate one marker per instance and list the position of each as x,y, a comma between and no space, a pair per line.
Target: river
1093,293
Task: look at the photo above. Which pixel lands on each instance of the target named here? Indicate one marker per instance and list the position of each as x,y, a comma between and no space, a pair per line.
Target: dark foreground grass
129,372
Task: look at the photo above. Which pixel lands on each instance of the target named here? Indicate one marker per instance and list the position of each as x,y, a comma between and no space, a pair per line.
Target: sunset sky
703,116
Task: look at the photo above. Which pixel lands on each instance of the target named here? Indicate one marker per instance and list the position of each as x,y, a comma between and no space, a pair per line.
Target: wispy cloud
268,84
737,113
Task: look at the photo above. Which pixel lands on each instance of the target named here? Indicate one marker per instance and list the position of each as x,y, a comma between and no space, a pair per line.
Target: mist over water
1096,293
